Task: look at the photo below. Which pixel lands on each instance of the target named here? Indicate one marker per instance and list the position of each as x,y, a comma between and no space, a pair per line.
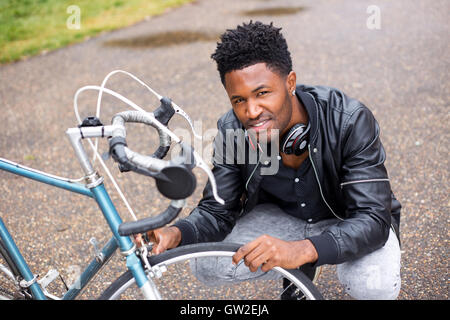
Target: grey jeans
374,276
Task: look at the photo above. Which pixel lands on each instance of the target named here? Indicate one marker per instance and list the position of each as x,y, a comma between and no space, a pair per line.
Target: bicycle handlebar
174,179
163,114
151,223
129,160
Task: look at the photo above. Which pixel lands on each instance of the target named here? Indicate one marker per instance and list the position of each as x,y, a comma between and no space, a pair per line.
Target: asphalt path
399,70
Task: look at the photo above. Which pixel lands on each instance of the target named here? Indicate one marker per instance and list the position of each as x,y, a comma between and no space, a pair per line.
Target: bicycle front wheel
196,272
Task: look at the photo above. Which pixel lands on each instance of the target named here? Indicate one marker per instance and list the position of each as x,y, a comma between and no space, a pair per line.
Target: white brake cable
175,106
93,147
42,172
133,105
100,93
102,89
113,180
122,196
127,101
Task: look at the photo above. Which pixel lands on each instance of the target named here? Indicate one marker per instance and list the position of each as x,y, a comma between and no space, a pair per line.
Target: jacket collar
310,104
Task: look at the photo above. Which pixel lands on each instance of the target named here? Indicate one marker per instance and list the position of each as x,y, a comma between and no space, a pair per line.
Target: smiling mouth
260,125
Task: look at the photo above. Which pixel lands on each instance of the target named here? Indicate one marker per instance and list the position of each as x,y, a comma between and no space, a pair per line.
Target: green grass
28,27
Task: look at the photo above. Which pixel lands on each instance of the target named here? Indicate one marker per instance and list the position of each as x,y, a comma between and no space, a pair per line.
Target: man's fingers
245,249
268,265
138,240
263,260
254,255
151,236
259,256
156,239
161,241
241,253
261,252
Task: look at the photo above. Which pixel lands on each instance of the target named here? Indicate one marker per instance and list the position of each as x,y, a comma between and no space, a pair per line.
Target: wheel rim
180,282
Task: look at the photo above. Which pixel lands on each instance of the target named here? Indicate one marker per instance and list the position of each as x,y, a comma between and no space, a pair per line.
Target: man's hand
268,252
163,239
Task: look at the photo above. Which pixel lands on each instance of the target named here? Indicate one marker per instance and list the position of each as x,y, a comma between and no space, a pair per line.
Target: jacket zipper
251,175
318,182
342,184
359,181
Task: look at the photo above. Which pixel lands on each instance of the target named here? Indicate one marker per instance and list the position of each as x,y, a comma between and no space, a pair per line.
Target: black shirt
295,191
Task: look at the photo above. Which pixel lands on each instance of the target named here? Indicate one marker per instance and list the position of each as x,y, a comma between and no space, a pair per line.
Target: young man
329,202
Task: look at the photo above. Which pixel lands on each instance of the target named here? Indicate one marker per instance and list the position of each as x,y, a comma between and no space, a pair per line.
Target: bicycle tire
182,254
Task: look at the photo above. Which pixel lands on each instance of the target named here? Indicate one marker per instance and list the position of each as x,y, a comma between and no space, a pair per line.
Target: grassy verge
28,27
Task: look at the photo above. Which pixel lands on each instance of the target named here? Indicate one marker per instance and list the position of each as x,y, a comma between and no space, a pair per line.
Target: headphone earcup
295,140
286,144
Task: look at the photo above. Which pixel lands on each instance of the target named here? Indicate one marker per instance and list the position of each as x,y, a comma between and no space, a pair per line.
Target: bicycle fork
127,247
145,284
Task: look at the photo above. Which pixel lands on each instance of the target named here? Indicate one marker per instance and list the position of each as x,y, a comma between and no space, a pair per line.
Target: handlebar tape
117,149
161,152
150,223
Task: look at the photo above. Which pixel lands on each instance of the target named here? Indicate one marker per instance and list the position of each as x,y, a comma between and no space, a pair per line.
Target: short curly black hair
249,44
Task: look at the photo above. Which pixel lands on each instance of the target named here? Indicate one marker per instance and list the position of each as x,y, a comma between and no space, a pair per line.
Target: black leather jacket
348,161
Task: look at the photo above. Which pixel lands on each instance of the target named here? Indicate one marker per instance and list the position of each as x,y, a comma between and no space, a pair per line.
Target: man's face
260,99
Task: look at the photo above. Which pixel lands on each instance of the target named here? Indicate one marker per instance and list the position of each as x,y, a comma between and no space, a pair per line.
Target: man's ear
291,81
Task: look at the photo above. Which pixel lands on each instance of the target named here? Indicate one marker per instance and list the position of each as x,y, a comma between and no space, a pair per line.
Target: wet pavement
400,71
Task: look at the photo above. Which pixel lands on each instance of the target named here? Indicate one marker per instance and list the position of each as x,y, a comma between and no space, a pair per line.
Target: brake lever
202,165
158,96
188,119
198,159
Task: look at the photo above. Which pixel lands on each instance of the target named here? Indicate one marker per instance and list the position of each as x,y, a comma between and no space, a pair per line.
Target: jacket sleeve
366,191
211,221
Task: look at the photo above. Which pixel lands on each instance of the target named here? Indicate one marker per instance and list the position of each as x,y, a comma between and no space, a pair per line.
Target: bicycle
174,180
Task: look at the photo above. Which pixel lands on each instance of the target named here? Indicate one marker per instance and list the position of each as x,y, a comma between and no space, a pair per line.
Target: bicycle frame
96,190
